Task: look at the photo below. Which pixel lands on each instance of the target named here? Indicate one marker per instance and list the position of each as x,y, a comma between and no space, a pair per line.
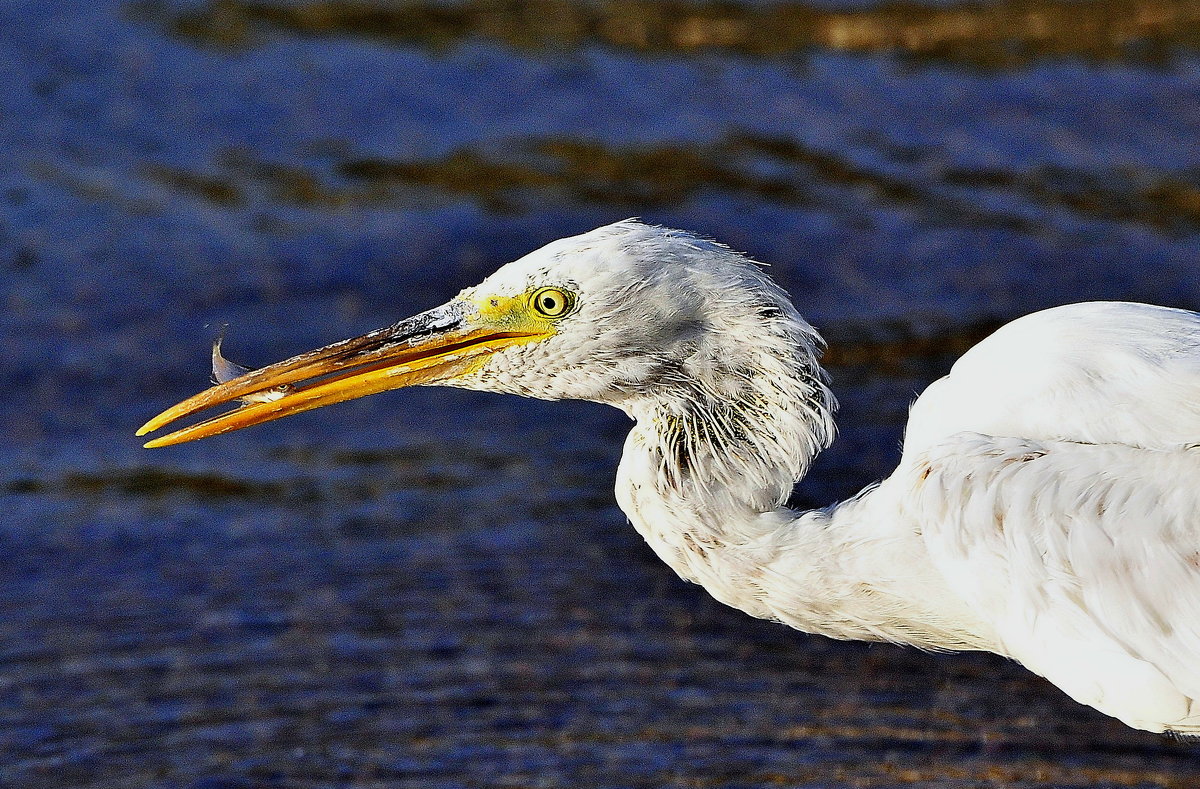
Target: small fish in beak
224,370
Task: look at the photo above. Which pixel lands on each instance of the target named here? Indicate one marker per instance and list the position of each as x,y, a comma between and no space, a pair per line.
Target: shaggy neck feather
704,481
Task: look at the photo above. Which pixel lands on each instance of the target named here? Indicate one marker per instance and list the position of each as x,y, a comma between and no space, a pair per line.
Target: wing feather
1096,372
1085,558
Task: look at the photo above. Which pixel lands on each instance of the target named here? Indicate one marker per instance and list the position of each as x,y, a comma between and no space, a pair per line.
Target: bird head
626,314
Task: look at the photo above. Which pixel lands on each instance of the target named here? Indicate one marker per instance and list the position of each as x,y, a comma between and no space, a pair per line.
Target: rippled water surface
434,588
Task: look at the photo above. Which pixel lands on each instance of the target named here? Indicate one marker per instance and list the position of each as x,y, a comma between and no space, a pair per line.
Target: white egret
1046,507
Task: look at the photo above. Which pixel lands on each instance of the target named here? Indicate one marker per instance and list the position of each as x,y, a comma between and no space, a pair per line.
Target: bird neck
704,483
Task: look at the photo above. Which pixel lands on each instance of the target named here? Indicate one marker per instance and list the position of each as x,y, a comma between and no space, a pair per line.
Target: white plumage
1046,507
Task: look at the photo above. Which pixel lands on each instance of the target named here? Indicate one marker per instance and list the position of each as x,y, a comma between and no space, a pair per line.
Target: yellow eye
552,302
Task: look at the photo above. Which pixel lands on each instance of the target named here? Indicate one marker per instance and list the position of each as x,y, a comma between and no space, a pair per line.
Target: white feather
1047,506
1085,558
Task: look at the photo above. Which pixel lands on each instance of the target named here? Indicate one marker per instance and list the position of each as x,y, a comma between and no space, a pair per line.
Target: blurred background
433,588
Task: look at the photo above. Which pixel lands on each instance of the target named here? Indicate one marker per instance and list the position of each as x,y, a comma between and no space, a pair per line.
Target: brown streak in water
655,177
988,35
890,353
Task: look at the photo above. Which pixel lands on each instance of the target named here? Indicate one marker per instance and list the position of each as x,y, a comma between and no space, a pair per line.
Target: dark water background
434,588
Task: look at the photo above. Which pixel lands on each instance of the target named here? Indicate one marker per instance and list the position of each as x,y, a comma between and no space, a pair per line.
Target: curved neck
705,484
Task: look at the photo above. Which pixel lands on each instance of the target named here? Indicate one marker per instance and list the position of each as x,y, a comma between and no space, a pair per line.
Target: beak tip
155,443
165,418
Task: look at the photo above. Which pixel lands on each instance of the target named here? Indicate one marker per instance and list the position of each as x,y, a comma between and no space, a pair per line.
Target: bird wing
1097,372
1084,558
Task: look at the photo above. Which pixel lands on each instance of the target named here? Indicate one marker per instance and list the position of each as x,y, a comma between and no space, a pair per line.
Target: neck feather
704,477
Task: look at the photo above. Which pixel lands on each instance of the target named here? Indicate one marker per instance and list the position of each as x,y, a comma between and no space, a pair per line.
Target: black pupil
549,303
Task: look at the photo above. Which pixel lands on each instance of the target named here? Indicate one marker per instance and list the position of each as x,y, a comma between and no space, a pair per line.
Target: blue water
434,588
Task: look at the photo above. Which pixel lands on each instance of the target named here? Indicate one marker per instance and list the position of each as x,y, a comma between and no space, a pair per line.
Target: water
434,588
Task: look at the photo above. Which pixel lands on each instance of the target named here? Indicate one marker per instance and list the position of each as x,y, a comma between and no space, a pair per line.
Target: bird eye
552,302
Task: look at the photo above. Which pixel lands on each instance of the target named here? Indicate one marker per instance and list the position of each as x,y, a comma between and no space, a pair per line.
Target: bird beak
434,346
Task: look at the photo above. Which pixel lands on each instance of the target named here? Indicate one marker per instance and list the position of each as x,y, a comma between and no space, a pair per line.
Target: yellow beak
437,345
